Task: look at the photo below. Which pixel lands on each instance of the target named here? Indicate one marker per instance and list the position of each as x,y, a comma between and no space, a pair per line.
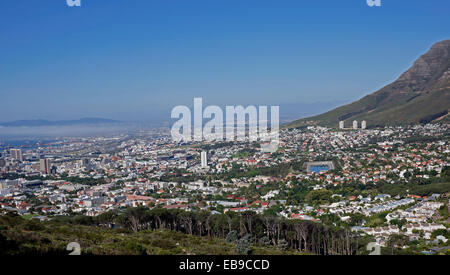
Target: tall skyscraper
355,124
45,166
341,124
363,124
16,154
204,158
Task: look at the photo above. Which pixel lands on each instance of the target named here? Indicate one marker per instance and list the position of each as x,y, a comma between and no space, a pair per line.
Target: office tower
341,124
204,159
45,166
355,124
85,163
16,154
363,124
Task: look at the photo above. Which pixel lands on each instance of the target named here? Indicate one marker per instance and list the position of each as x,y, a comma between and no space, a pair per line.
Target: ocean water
24,144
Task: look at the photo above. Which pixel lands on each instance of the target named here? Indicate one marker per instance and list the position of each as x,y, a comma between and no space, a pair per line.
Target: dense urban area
324,191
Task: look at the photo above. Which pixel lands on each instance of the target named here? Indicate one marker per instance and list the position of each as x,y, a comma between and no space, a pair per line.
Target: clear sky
131,59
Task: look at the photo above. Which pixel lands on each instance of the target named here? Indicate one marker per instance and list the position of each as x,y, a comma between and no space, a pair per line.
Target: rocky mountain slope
420,95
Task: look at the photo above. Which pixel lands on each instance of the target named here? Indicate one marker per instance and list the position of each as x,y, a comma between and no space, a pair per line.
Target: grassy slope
20,236
402,109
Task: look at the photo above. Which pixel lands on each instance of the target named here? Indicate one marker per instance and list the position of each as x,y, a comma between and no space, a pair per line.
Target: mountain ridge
420,95
43,122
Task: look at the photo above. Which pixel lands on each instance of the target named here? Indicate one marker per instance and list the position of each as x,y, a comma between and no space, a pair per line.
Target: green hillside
19,236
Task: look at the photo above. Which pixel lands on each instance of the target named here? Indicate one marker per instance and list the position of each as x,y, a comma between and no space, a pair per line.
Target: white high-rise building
204,158
45,166
341,124
355,124
16,154
363,124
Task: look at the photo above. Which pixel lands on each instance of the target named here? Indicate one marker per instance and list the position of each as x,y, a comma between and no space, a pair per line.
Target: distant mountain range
42,122
420,95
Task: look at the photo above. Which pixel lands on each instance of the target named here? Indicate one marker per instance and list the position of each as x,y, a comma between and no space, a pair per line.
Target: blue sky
136,59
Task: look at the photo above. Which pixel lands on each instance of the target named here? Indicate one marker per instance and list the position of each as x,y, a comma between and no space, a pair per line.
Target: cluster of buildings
354,125
367,206
98,174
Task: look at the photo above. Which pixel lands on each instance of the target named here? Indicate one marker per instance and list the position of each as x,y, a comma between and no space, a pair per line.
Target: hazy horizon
135,61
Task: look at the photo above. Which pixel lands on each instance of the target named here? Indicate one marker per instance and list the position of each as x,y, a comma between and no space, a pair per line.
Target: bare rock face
430,68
